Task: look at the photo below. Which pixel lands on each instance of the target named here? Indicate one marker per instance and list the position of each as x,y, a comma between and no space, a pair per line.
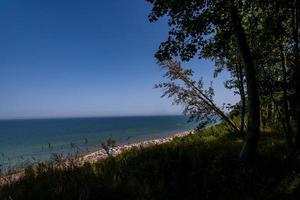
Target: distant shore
100,154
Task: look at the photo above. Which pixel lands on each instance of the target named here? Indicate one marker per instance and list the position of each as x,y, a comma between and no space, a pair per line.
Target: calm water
27,141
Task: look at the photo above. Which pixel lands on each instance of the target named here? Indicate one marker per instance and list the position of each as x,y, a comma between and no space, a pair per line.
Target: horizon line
80,117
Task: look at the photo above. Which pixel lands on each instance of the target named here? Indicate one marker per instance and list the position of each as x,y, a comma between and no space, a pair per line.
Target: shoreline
99,154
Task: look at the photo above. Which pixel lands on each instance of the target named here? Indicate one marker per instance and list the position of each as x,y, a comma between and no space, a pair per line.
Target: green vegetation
256,41
204,165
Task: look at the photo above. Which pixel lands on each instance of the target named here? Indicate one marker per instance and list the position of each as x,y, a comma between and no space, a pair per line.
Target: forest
257,42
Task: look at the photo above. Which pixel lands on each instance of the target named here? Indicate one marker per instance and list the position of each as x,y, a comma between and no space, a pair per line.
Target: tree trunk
262,118
297,71
211,104
288,129
248,151
275,118
240,78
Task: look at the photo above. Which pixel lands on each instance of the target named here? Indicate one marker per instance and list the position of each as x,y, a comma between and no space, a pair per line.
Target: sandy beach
101,154
97,155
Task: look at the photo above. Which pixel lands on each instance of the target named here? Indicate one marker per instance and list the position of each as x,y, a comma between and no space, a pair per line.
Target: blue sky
69,58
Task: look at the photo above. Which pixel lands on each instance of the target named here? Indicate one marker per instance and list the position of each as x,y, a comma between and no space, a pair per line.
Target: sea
28,141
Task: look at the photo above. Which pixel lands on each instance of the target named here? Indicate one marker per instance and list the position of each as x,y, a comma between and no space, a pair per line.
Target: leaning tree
197,24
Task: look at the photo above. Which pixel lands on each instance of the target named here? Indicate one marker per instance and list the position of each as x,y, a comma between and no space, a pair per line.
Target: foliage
202,165
256,41
198,102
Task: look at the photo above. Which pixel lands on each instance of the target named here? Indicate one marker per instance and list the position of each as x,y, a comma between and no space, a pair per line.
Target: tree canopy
256,41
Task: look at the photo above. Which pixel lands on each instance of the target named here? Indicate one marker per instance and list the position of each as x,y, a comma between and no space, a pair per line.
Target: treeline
257,41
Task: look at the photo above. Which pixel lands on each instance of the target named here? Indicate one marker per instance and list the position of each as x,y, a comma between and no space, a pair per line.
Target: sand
97,155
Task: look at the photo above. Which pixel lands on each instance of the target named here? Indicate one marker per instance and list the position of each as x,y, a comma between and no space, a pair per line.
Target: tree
198,102
233,65
195,25
296,31
253,124
270,35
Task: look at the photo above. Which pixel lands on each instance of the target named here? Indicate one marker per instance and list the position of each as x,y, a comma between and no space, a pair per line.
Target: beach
101,153
98,154
24,142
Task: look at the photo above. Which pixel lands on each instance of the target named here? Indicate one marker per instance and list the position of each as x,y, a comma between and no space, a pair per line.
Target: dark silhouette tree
198,102
194,26
253,124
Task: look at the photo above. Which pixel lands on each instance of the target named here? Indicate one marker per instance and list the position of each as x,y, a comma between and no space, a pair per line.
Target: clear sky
72,58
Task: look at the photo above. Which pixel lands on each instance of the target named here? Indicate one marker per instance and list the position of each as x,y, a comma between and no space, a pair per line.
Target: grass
200,166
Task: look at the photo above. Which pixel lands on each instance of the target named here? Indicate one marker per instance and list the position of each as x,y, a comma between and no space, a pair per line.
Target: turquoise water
29,141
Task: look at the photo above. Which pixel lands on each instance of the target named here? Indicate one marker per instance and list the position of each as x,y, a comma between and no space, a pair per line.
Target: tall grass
200,166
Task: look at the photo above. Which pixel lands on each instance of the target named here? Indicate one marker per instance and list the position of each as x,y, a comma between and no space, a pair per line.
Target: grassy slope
200,166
